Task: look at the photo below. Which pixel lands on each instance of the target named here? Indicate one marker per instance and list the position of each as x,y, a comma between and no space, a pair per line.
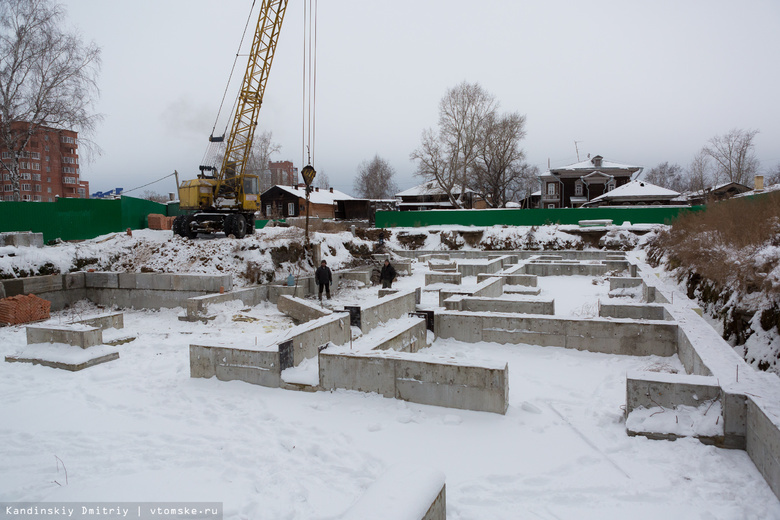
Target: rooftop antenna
577,149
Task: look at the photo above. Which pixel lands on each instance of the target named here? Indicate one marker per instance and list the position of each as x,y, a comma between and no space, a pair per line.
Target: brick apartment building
283,172
48,168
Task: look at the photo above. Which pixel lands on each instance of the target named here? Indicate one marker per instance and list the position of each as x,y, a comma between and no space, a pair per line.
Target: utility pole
577,149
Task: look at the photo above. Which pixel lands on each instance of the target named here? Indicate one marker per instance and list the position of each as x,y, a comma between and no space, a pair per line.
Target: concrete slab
77,335
64,357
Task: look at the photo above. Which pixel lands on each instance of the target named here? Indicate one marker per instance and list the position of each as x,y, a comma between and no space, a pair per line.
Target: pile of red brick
23,309
157,221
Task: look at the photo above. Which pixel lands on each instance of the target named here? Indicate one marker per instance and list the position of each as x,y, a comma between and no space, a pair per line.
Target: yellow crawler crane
226,199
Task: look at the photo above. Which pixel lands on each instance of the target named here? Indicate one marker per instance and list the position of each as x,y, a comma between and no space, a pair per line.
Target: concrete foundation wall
763,440
197,307
21,239
594,335
307,338
79,336
114,320
259,367
410,338
634,311
471,304
388,308
301,310
490,287
652,389
452,278
528,280
563,269
493,266
405,376
617,282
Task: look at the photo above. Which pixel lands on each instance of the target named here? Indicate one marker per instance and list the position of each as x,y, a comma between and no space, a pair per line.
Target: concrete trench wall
634,311
301,310
563,269
477,304
594,335
388,308
490,287
410,338
493,266
259,367
81,336
409,378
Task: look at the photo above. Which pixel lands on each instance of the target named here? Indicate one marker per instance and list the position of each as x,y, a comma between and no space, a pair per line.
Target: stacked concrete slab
21,239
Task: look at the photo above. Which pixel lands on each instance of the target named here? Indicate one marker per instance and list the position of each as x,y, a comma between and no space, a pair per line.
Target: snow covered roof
605,165
428,188
322,196
638,190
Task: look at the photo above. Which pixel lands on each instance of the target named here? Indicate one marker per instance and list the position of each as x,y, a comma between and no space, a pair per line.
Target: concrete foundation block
443,277
202,283
101,280
387,292
360,276
114,320
763,442
634,311
74,281
388,308
360,373
21,239
79,335
653,389
301,310
617,282
274,291
403,493
259,367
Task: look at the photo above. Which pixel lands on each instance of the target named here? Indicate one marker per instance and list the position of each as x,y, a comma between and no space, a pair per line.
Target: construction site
501,385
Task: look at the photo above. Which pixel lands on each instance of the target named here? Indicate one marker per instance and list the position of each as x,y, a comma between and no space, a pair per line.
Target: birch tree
375,180
734,157
48,77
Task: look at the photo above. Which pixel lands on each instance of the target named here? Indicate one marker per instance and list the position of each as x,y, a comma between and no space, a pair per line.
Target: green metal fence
77,219
529,217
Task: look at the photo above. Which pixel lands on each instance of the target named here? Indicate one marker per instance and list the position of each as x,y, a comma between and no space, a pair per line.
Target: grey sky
637,82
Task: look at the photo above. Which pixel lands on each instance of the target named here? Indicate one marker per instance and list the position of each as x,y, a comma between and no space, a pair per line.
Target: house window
610,185
9,197
82,191
48,190
37,198
6,176
36,156
550,188
291,209
9,187
69,180
7,155
51,200
267,210
36,177
578,189
26,198
68,169
551,206
26,187
37,187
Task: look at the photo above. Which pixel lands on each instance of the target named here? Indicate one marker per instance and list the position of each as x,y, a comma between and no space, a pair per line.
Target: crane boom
227,201
261,55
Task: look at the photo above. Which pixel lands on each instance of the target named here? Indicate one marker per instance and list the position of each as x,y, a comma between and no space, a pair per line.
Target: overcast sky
636,82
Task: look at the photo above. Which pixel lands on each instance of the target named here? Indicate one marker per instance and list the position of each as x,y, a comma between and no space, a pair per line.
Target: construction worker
324,278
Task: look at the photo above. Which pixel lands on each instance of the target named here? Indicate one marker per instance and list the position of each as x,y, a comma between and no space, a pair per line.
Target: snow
588,165
321,196
638,189
140,429
428,188
705,420
61,352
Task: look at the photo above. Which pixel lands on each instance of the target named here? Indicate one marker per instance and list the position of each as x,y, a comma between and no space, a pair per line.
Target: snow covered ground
140,429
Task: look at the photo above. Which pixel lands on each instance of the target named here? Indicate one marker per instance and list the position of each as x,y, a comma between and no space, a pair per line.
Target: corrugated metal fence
529,217
78,219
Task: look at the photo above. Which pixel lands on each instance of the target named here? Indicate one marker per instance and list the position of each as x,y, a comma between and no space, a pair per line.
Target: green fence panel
67,219
135,212
529,217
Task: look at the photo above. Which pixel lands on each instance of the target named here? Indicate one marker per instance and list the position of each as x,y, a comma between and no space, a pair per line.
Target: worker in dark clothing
324,278
387,275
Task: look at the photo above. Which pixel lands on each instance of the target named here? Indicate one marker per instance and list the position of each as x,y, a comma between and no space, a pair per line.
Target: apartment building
48,168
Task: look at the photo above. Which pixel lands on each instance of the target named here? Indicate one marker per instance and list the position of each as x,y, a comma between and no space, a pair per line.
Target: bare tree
448,156
773,176
670,176
154,196
48,78
375,179
498,168
259,156
735,159
322,181
700,174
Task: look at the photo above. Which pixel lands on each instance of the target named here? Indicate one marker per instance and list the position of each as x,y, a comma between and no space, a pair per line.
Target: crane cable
210,153
309,96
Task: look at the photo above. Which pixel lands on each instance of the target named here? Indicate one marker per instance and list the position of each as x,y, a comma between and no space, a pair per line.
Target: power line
150,183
